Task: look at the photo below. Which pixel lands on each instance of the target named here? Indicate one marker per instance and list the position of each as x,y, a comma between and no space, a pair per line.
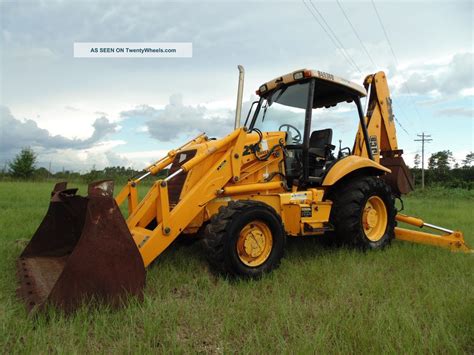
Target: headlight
299,75
262,89
302,74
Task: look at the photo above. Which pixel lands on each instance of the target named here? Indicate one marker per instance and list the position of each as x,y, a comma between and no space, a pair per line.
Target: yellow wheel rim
374,218
254,243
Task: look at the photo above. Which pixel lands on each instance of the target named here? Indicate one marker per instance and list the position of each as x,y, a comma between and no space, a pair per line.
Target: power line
356,34
385,32
424,138
339,46
335,41
400,108
335,36
401,126
320,24
368,55
327,33
394,57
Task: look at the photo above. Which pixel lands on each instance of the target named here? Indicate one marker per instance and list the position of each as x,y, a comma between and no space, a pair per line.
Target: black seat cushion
319,141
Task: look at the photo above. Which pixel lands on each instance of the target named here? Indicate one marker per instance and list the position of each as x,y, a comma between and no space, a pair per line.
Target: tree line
442,170
23,167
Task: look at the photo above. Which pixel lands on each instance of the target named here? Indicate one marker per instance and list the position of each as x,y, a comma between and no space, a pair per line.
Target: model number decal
326,76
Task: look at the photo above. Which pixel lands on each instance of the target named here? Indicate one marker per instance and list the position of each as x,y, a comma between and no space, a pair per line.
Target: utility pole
424,138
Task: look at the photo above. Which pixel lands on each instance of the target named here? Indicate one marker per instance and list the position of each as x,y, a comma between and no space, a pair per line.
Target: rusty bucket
400,179
82,250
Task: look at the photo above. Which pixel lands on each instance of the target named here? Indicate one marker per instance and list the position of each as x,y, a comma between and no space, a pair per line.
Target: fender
351,164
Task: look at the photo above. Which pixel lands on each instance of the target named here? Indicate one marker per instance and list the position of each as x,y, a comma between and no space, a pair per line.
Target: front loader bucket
82,250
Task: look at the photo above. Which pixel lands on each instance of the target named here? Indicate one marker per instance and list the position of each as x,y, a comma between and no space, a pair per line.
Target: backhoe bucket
82,250
400,179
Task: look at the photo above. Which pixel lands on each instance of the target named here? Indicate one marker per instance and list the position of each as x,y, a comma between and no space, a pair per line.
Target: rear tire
363,213
245,239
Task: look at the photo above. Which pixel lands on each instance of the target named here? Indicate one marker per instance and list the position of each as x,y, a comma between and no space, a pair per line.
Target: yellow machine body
214,172
205,176
220,171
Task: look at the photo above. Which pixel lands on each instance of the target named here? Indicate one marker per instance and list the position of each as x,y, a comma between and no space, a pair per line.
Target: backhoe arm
382,134
379,119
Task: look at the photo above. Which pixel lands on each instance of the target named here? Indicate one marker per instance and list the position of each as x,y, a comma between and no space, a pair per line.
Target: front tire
245,239
363,213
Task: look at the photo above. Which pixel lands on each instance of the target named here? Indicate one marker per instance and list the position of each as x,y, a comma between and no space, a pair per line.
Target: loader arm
224,171
129,191
152,244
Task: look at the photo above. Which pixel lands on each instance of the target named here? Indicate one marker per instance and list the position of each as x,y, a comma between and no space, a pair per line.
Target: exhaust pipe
366,110
240,92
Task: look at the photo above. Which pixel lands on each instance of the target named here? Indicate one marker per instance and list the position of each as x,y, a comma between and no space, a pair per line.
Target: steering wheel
297,137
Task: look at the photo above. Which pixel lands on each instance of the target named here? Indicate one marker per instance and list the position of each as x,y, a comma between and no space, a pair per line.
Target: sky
85,113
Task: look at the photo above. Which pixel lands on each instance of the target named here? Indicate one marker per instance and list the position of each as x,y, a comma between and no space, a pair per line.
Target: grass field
405,299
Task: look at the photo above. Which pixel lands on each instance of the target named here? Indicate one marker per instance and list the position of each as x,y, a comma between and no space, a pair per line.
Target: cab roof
330,89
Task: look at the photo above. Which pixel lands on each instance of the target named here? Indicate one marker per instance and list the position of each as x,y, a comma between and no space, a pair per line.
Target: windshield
284,110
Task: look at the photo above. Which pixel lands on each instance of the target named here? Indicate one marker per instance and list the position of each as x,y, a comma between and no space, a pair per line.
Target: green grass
407,298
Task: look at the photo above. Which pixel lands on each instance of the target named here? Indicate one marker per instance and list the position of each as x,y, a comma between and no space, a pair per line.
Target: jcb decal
373,144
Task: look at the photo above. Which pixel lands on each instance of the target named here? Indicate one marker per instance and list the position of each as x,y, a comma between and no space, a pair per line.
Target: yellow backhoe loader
275,177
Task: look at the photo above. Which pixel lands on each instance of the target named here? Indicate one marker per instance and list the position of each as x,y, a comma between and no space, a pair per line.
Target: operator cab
286,104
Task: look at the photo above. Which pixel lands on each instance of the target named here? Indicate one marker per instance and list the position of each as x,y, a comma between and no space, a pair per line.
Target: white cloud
467,92
180,120
71,118
141,129
440,79
16,134
56,150
82,160
141,159
147,154
457,112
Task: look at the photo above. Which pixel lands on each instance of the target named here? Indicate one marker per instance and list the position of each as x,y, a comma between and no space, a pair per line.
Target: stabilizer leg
453,240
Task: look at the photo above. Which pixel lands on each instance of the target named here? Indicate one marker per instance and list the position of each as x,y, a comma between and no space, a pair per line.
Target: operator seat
320,143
